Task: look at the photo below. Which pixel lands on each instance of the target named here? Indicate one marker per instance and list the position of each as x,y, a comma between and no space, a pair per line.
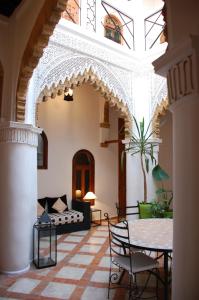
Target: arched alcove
83,172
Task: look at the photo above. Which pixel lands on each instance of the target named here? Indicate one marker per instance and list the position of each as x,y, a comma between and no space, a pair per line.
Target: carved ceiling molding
160,111
43,29
93,78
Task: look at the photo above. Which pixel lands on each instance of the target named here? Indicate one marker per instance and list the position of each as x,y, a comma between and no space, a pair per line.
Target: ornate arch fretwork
89,77
42,30
76,70
160,111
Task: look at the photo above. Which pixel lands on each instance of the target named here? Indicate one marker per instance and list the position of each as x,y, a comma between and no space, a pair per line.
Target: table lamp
78,194
90,197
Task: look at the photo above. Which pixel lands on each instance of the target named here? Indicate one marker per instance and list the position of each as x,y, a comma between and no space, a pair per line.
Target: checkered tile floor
81,272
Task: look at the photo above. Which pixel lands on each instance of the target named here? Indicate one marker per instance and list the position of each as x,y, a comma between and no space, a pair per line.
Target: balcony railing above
120,26
154,26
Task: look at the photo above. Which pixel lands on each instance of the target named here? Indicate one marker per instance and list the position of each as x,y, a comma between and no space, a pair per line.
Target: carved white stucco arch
64,69
63,72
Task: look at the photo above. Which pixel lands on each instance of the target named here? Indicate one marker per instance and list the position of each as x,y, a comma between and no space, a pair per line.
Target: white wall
71,126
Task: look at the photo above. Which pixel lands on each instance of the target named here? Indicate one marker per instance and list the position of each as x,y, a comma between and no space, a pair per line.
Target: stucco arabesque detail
14,132
64,69
75,70
62,66
69,60
67,43
159,91
93,48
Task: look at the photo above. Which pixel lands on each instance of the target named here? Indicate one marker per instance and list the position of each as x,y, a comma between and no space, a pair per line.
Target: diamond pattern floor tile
82,259
105,262
24,285
58,290
71,273
66,246
100,276
75,239
90,248
96,240
81,272
96,293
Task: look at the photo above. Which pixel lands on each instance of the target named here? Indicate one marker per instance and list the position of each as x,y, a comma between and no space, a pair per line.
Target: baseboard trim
16,272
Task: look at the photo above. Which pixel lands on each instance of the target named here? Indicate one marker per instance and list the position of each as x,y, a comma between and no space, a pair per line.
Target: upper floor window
42,151
113,29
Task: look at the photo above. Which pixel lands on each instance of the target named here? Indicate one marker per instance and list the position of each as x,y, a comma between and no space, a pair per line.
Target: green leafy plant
141,144
164,197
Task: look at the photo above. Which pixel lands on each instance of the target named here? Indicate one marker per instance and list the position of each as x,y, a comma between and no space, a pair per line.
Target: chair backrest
129,211
118,238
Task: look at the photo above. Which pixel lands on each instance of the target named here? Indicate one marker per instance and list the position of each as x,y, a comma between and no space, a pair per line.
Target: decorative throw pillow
40,210
59,206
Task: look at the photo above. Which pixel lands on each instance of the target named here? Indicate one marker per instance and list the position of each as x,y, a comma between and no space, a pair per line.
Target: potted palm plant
140,143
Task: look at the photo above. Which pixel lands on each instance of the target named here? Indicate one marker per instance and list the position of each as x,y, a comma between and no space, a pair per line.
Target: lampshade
78,193
90,197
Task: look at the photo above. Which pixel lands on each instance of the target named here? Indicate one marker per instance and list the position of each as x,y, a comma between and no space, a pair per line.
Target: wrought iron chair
122,256
129,211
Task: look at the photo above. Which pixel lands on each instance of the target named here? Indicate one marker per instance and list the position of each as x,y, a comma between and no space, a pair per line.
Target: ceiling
7,7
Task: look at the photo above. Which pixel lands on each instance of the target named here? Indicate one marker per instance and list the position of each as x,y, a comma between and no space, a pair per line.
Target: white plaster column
180,64
186,204
18,194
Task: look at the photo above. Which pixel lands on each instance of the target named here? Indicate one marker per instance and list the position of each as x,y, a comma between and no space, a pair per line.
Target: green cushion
145,211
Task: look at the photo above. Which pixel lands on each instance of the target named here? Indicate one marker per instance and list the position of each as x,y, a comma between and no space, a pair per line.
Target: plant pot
145,211
168,214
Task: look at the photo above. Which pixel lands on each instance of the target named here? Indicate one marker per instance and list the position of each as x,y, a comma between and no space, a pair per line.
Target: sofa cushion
71,216
51,202
40,209
42,202
59,206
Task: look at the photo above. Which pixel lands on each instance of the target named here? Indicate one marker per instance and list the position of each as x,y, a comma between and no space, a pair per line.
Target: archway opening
75,125
83,173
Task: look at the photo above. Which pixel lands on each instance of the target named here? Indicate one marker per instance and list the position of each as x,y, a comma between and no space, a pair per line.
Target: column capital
14,132
180,65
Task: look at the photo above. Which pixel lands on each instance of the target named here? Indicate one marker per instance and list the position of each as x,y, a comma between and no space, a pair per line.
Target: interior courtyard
75,75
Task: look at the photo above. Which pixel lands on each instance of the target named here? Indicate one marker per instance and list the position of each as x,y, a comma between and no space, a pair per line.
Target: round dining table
154,235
